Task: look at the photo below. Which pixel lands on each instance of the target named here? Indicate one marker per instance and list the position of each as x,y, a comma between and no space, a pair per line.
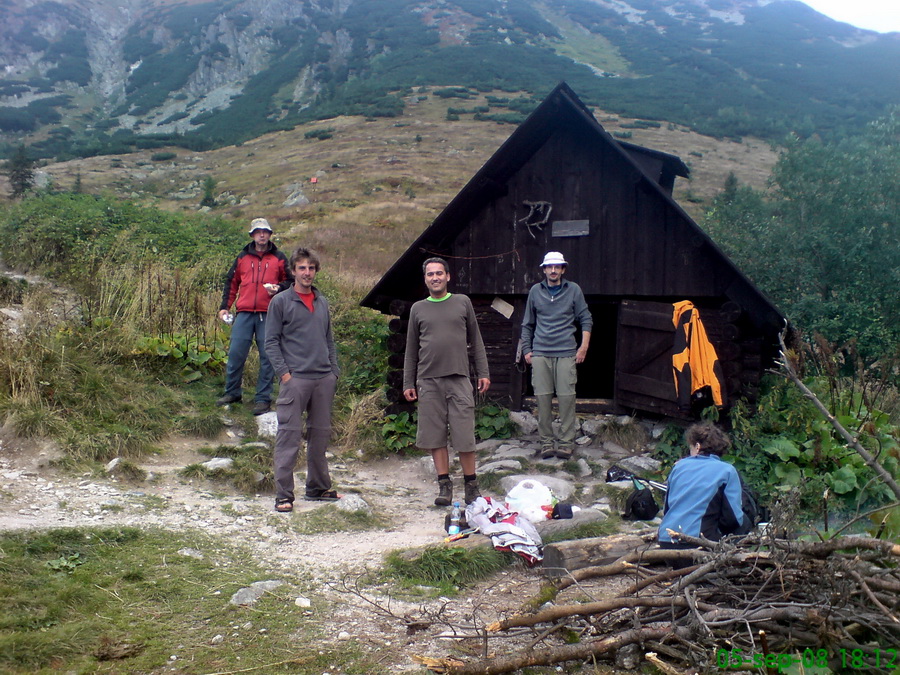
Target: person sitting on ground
704,492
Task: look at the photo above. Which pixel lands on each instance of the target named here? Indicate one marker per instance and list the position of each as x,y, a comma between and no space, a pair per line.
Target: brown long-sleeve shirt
438,340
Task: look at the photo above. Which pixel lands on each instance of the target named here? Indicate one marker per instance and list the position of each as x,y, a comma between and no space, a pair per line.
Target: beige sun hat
259,224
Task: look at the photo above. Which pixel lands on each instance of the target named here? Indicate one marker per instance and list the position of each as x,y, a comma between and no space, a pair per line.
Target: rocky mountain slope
96,76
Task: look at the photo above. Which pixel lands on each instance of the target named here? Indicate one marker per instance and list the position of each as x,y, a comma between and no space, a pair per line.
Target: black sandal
284,505
323,496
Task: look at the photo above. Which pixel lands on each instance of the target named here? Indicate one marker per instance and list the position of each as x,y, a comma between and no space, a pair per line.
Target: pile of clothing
508,530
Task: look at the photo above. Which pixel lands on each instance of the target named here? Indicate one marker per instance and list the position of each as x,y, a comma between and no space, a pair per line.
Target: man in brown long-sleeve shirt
436,373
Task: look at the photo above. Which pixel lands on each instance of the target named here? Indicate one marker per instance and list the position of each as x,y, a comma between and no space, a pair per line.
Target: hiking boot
445,493
564,452
472,491
228,399
548,452
261,407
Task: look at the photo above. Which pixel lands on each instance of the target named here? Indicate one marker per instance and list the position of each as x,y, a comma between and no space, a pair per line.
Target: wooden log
731,368
750,391
396,408
399,307
575,554
395,379
731,311
750,377
752,361
396,360
728,350
753,346
394,396
396,343
730,332
398,325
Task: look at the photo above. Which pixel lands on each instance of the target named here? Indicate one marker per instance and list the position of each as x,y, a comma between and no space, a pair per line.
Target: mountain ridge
90,77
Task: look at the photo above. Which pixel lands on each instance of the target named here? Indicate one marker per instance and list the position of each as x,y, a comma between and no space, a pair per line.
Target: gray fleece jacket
548,327
297,341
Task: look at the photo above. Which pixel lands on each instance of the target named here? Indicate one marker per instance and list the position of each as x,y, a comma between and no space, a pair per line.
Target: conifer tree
20,170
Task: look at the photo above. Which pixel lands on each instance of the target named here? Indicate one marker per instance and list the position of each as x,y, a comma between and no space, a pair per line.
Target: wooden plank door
644,379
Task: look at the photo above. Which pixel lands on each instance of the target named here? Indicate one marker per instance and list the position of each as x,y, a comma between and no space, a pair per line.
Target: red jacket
247,275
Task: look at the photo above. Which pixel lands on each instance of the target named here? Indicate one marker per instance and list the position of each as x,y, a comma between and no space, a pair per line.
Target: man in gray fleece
300,346
555,309
436,374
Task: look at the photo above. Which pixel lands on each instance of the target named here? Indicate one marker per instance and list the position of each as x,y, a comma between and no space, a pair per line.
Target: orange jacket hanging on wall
694,360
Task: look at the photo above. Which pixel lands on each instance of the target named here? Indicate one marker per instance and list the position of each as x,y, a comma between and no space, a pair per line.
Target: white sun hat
554,258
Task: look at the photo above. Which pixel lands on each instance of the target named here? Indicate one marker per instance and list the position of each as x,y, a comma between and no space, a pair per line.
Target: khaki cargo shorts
446,402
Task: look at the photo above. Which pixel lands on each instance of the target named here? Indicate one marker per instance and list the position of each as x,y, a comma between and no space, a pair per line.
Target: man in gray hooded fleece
300,345
555,309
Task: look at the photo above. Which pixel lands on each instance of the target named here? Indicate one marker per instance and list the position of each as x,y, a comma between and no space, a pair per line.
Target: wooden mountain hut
561,183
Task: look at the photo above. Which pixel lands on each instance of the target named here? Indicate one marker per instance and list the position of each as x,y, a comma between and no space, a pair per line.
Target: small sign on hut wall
571,228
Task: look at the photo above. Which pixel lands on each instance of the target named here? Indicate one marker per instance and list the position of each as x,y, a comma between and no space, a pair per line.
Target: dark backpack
754,512
640,504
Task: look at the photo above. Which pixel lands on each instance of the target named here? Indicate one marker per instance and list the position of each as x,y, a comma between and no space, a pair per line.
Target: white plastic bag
531,500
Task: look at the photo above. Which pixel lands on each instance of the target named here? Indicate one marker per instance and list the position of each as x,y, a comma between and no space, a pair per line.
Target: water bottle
455,516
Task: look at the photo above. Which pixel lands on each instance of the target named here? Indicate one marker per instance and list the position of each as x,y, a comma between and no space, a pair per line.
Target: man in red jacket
258,273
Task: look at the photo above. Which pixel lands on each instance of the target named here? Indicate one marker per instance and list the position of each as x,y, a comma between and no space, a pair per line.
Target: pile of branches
738,604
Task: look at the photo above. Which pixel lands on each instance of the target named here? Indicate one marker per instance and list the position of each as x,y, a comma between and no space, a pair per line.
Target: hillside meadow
380,181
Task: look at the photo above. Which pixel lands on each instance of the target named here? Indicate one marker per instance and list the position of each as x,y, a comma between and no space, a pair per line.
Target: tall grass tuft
447,567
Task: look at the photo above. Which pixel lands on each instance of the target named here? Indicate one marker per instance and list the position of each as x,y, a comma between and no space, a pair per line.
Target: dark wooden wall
638,245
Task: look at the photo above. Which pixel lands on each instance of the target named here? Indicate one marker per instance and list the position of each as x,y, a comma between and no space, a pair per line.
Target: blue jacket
704,498
548,327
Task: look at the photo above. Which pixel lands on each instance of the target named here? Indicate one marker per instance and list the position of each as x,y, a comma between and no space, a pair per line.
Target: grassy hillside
380,181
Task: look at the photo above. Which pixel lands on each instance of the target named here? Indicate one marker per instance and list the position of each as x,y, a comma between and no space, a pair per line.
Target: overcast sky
880,15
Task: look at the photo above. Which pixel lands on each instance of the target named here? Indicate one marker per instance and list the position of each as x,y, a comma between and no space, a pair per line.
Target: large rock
500,465
640,465
594,425
524,420
490,444
597,455
513,450
614,451
584,468
353,503
218,463
295,197
267,425
249,595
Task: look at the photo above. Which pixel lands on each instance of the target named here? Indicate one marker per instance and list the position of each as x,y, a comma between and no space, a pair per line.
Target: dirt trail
34,494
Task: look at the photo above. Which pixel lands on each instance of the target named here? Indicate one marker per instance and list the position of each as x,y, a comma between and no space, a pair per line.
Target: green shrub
320,134
492,421
399,431
162,156
68,234
783,444
453,92
500,118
